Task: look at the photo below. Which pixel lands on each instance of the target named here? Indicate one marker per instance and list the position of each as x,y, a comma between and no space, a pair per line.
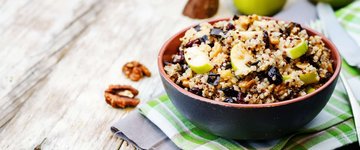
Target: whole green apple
259,7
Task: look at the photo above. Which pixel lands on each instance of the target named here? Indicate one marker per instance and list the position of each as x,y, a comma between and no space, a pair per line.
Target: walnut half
135,71
121,96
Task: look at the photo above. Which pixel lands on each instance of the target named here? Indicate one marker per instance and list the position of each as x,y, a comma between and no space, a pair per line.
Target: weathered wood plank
31,51
66,68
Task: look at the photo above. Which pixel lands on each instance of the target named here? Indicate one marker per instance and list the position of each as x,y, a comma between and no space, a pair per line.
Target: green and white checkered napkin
332,128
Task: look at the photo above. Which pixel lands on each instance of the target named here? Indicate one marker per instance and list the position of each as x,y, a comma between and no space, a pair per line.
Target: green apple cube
309,90
239,57
297,51
198,60
286,77
311,77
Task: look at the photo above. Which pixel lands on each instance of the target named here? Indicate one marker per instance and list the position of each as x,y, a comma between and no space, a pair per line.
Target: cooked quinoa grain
250,60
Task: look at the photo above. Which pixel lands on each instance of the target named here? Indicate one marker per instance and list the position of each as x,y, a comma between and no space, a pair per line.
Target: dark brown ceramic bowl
247,121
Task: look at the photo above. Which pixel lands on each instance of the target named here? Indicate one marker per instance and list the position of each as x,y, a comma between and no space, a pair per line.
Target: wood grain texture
57,58
30,49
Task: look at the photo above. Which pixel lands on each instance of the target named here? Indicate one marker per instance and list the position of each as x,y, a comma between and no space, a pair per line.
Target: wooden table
58,57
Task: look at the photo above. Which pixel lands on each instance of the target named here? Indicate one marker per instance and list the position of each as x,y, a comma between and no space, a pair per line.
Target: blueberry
181,59
266,39
228,66
193,42
211,44
213,79
240,98
217,32
235,17
230,26
229,100
255,63
196,91
261,75
328,75
290,96
197,41
197,28
326,78
305,58
230,92
287,59
297,25
204,38
185,67
291,26
274,76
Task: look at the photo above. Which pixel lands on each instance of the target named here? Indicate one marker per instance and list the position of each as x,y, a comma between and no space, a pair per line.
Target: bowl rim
327,42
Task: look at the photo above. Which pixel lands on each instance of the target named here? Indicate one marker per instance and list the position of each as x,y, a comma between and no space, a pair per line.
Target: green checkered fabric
332,128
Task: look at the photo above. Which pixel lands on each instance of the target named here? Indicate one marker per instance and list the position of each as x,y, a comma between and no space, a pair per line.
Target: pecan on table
121,96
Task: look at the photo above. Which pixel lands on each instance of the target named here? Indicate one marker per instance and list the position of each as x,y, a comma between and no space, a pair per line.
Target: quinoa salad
250,60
